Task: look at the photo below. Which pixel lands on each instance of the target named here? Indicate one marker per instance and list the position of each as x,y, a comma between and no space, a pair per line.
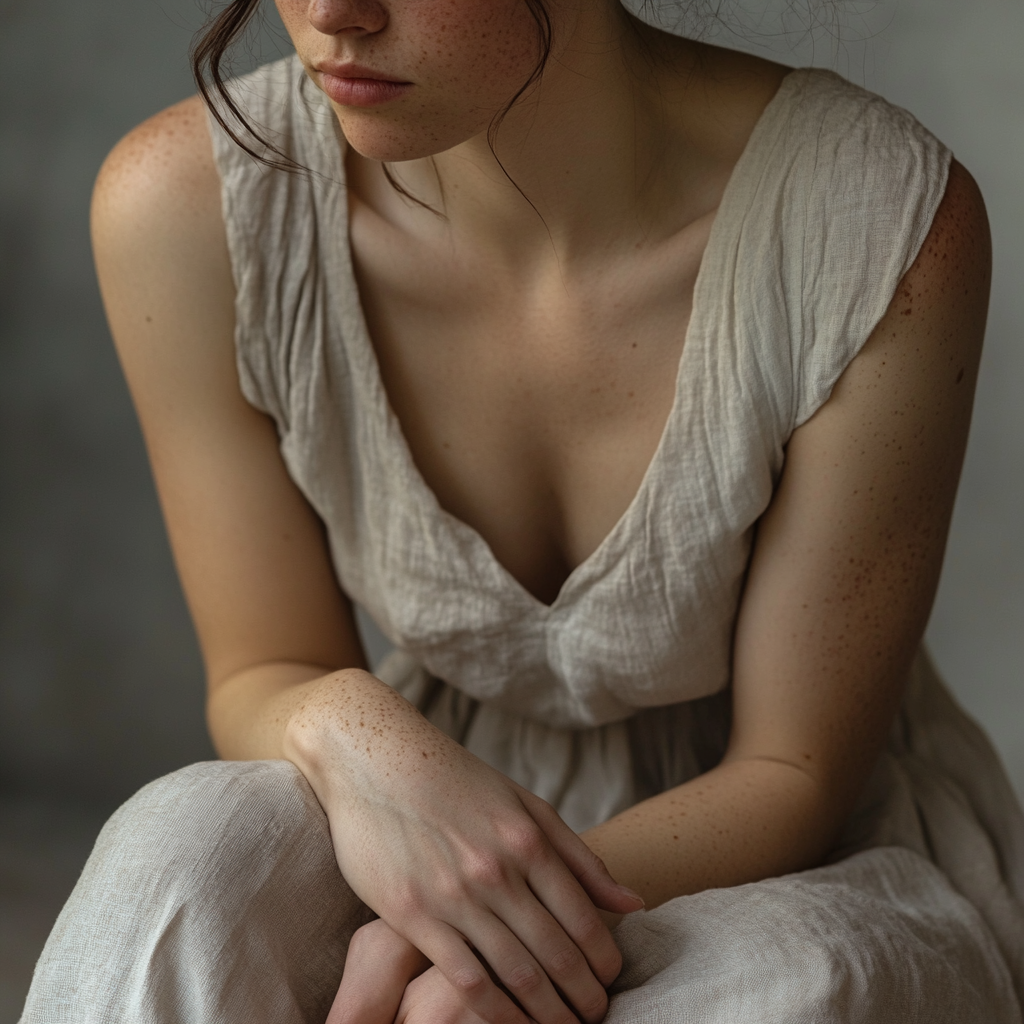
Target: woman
626,382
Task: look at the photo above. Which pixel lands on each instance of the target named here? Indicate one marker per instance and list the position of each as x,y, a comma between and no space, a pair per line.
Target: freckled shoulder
162,170
931,335
953,268
161,252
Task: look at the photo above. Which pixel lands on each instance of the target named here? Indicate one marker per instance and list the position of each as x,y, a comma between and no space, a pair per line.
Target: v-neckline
386,415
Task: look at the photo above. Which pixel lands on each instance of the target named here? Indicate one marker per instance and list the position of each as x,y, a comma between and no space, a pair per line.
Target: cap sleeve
873,178
271,218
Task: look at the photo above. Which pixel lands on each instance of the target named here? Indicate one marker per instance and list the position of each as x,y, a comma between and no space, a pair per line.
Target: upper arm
250,552
848,555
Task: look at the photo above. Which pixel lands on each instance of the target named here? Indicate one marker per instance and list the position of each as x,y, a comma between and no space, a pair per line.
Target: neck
584,161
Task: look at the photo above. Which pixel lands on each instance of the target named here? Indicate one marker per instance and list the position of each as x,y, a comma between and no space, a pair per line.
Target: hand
378,967
429,999
461,861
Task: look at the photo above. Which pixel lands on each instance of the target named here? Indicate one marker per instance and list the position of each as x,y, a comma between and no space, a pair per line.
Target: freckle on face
464,58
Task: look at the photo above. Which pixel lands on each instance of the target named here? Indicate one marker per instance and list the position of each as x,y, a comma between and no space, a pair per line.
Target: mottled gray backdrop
100,686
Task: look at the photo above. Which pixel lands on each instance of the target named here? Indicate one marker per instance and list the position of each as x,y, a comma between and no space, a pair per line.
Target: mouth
353,85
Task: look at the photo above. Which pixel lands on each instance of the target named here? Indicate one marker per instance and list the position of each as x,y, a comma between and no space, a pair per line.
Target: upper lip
348,69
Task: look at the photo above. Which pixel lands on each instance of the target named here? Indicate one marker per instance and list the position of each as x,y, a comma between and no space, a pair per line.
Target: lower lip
362,92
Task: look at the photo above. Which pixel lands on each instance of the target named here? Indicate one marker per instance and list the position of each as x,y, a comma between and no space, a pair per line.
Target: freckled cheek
293,17
486,49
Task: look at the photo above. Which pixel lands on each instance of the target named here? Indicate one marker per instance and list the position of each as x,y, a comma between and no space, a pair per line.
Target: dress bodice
824,213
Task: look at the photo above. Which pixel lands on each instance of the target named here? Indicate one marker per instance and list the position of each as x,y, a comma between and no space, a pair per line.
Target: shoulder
163,180
958,248
941,303
856,184
928,343
845,150
159,186
903,405
161,256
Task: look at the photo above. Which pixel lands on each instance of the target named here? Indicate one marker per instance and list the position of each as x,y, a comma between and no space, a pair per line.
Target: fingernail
635,896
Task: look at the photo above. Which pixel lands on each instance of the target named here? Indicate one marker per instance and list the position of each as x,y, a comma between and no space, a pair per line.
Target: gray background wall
100,686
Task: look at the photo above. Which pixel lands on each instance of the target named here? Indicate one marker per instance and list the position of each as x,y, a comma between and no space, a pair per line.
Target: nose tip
332,17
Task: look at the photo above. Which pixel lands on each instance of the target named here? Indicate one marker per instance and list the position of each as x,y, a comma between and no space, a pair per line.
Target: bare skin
569,332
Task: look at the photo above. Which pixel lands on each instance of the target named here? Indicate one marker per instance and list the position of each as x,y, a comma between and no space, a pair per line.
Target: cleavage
534,429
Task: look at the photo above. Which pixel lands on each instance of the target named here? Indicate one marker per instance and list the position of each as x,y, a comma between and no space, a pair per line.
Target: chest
531,407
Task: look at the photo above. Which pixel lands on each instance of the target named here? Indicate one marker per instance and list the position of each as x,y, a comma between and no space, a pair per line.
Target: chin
396,141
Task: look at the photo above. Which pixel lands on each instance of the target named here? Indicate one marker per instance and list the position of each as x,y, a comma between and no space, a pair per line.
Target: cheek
486,47
294,17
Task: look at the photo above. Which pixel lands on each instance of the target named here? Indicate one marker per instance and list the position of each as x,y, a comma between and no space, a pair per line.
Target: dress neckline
468,539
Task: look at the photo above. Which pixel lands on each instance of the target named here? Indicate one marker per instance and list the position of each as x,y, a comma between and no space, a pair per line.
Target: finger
519,970
431,1000
378,967
579,978
585,865
566,904
450,953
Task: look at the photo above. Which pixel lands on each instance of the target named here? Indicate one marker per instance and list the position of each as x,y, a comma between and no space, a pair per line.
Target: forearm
249,713
741,822
331,724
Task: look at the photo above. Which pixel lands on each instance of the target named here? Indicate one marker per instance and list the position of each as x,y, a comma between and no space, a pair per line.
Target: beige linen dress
620,688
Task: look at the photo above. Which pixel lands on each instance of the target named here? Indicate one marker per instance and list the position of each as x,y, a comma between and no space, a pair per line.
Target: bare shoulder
168,153
162,259
955,262
158,235
956,258
929,341
160,184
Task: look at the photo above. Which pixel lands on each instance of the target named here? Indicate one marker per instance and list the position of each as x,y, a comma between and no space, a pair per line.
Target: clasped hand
470,873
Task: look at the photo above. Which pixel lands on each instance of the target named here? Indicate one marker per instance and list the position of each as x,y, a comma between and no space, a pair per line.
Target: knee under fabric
222,872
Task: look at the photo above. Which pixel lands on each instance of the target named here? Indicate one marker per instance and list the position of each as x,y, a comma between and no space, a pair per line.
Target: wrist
318,736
